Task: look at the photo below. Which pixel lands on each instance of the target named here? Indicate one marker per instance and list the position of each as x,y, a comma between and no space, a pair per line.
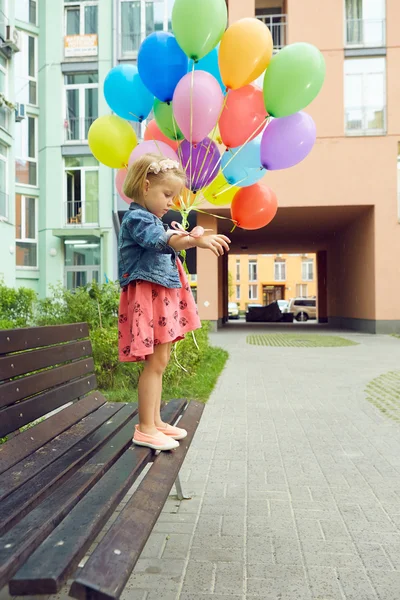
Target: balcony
277,25
82,214
365,33
129,44
77,129
365,121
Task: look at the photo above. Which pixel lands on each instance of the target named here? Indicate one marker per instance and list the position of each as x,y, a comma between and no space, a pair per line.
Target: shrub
16,306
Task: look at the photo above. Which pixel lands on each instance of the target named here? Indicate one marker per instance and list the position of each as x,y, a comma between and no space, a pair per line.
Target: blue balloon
245,168
126,94
210,64
161,64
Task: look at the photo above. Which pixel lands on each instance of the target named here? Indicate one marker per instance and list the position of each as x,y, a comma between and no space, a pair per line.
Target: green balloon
293,79
198,25
165,120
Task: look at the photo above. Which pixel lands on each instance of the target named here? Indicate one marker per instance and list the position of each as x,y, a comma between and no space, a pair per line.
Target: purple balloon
287,141
200,162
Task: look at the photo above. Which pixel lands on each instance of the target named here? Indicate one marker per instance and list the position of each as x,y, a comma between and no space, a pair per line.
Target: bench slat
49,567
16,340
34,384
14,417
33,474
106,573
19,543
36,490
27,442
26,362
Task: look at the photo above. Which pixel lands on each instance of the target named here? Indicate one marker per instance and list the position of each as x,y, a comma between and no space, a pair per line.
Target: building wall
293,277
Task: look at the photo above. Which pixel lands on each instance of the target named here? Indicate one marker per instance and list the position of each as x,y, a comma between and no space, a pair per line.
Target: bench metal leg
179,491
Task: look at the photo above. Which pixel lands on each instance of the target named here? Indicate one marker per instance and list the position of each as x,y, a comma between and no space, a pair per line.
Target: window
26,10
365,23
26,151
82,98
238,270
280,270
238,292
365,96
3,181
82,262
82,182
252,270
139,18
301,290
4,110
26,231
81,28
253,292
307,270
26,70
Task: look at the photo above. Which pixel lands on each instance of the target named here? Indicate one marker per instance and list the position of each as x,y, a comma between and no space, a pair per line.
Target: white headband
163,166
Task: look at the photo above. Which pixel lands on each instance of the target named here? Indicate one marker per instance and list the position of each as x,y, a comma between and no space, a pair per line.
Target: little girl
157,307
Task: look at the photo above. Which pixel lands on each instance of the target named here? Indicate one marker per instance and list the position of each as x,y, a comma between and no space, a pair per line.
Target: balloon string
213,133
259,127
176,138
216,166
236,223
231,186
191,123
155,141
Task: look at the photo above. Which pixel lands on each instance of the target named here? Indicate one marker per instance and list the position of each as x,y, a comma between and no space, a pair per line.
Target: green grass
299,340
384,393
193,387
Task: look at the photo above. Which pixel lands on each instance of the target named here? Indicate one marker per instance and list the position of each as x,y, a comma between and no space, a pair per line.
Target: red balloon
153,132
243,114
254,206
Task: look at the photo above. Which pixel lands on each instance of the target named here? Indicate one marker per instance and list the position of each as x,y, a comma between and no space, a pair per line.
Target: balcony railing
277,25
82,213
77,128
365,120
365,33
129,44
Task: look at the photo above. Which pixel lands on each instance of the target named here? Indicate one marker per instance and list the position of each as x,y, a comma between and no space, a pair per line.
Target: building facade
342,202
264,278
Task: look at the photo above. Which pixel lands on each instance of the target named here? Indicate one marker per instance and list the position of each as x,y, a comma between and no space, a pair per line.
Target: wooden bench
62,479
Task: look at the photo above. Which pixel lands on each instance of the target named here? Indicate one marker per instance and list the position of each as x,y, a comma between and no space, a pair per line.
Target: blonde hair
150,167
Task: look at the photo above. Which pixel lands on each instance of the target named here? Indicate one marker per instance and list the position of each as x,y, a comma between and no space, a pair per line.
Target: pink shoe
176,433
156,442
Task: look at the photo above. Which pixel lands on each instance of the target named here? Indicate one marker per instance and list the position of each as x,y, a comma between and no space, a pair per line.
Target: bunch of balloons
199,84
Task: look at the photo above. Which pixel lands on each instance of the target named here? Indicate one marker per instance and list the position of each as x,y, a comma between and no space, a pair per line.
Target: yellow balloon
111,140
220,192
245,52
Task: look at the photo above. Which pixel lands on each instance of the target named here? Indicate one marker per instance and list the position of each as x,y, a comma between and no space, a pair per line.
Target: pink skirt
150,314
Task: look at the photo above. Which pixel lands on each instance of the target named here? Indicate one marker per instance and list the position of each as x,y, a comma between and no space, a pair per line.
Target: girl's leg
157,416
150,387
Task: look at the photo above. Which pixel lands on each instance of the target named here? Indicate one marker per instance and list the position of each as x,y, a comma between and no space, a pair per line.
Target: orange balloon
254,206
245,52
153,132
243,114
184,201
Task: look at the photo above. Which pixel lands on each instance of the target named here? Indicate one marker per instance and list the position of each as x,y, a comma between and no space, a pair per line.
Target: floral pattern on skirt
150,314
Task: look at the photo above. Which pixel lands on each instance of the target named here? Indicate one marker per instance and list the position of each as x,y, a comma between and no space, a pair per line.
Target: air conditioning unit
19,112
13,40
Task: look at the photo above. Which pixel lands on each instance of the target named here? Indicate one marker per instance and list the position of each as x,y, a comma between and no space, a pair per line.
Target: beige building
342,202
264,278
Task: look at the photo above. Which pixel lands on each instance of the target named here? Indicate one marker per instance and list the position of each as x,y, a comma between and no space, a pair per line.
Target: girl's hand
215,242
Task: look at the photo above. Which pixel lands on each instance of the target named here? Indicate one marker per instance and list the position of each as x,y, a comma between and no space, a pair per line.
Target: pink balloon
119,184
197,110
153,147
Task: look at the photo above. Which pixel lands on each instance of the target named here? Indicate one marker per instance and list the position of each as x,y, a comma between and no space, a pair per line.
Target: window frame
307,265
4,71
83,222
81,87
237,270
237,291
253,271
81,4
278,272
28,158
253,286
4,158
23,239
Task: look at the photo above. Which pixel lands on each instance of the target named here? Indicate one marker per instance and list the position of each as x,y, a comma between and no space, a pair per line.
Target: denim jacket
143,250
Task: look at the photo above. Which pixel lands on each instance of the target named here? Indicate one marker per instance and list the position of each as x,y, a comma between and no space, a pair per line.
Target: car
233,310
283,305
303,309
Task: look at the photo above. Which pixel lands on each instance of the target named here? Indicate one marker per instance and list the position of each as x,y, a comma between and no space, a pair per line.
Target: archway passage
341,237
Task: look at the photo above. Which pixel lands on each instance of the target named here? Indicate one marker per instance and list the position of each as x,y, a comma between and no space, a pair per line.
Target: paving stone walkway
296,482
